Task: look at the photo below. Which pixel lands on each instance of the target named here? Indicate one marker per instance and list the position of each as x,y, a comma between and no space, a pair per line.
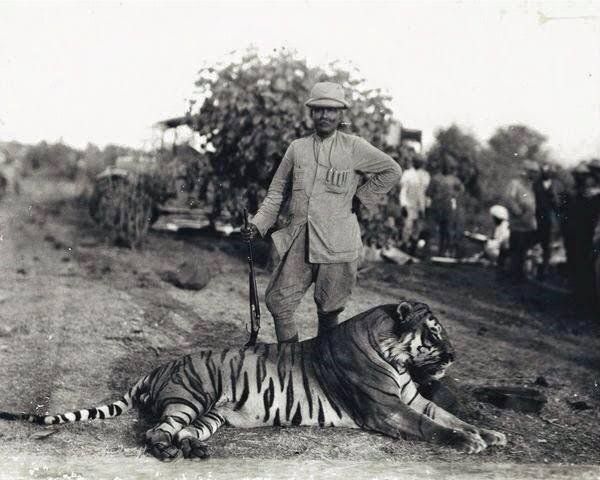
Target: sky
105,72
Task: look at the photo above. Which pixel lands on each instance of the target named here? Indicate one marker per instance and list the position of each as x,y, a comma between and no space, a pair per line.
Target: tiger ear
404,310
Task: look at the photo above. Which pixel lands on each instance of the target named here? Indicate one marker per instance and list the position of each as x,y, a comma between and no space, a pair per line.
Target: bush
125,205
54,160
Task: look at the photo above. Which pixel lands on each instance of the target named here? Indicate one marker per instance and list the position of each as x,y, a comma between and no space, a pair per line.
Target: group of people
312,201
541,205
439,197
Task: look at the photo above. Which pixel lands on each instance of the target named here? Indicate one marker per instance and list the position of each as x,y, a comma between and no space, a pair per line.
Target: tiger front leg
160,439
191,439
441,413
403,421
447,419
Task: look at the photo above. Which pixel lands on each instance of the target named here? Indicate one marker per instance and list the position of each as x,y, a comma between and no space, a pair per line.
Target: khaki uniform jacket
318,179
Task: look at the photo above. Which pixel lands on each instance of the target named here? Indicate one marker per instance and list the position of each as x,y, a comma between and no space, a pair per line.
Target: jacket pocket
298,181
337,181
331,188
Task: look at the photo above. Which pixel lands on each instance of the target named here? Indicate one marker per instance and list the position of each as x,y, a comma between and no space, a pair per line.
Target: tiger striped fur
365,374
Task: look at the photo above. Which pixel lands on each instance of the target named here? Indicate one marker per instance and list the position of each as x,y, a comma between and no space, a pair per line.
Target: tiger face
420,343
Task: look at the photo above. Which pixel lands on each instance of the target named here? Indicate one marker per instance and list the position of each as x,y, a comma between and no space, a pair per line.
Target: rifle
254,303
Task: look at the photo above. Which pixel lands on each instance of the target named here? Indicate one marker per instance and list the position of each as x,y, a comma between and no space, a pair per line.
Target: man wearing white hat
321,241
496,247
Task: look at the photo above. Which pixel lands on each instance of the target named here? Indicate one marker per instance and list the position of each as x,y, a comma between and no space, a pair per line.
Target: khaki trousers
291,279
410,227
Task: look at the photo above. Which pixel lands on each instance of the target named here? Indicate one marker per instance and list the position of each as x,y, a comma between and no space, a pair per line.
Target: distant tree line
59,160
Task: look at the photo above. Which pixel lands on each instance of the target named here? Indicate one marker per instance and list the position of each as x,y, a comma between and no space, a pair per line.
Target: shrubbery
126,204
55,160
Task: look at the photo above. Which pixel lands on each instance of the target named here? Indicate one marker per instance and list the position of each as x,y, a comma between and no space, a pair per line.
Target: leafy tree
55,160
251,109
465,149
501,161
519,142
94,160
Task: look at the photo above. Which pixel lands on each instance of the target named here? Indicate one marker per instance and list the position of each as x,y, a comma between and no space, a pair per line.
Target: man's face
326,119
545,173
531,175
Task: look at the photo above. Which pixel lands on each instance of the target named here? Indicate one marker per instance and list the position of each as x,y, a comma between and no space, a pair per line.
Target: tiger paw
491,437
467,442
165,452
160,446
193,448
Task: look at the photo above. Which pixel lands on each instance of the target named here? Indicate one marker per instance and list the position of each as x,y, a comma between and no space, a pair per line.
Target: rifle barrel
253,293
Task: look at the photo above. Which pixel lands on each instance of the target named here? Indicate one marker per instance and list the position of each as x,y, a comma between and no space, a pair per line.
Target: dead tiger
362,374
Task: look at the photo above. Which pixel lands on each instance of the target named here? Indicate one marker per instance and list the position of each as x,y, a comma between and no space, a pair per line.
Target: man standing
520,201
547,201
578,219
413,200
593,196
321,241
446,191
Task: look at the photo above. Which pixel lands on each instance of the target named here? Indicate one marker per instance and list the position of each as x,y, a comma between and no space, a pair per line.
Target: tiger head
418,343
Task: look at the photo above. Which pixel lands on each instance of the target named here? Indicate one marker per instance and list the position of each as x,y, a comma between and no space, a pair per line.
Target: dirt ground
81,320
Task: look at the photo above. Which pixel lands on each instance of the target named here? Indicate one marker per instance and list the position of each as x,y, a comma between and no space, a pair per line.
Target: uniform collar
327,139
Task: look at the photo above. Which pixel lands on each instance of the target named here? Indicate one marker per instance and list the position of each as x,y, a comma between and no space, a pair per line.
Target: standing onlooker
593,196
547,201
520,201
445,191
413,201
578,235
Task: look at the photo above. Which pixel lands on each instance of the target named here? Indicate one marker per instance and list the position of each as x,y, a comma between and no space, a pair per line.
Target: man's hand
250,232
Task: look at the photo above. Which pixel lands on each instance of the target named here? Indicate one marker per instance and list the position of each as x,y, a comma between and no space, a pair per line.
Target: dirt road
81,320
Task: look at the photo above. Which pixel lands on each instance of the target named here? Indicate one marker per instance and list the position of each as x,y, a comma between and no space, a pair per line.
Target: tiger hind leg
191,439
160,439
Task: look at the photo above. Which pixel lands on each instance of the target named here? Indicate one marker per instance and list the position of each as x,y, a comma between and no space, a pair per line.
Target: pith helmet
499,212
327,94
